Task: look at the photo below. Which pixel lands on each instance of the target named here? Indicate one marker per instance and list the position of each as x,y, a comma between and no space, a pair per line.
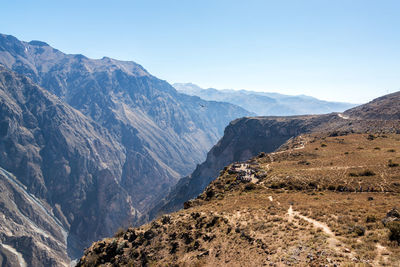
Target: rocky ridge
62,158
245,138
319,200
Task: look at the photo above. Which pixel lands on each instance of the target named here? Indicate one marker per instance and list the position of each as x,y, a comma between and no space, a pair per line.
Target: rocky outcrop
392,216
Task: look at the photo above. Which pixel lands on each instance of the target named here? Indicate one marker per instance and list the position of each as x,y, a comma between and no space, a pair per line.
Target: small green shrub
391,164
261,155
119,233
331,187
370,218
363,173
250,186
366,173
394,228
359,230
341,188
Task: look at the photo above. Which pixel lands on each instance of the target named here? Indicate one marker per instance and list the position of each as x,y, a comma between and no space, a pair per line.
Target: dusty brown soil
318,201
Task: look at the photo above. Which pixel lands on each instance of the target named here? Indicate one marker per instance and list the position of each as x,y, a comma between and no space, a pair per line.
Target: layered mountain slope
321,200
165,134
265,104
63,158
246,137
30,234
100,140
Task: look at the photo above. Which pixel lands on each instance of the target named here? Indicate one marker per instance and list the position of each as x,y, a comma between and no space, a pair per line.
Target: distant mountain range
96,141
265,104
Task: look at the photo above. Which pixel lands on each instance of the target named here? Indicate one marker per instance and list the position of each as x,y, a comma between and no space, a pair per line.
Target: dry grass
345,185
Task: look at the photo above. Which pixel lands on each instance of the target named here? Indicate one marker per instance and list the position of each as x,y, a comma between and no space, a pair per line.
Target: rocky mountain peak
38,43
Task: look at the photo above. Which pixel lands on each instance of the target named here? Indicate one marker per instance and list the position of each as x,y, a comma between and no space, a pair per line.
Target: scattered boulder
391,216
394,228
149,234
166,219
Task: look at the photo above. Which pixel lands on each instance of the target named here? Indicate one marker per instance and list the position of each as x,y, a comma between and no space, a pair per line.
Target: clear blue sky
346,50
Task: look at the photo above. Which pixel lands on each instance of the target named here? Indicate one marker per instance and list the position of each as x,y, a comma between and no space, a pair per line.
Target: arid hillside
246,137
320,200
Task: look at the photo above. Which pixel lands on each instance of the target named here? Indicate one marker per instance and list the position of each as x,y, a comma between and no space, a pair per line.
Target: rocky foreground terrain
320,200
328,196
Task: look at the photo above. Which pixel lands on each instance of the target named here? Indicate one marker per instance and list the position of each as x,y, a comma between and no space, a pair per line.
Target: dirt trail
333,242
290,213
302,146
271,158
340,115
382,253
316,223
332,168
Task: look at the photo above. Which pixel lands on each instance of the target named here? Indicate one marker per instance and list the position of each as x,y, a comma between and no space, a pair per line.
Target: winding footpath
333,242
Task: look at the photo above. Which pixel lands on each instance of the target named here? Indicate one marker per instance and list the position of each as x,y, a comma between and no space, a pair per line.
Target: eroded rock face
243,139
164,134
30,233
101,140
147,115
63,158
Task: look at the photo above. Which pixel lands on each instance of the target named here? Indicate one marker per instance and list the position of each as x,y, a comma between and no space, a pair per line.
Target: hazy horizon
274,92
337,51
